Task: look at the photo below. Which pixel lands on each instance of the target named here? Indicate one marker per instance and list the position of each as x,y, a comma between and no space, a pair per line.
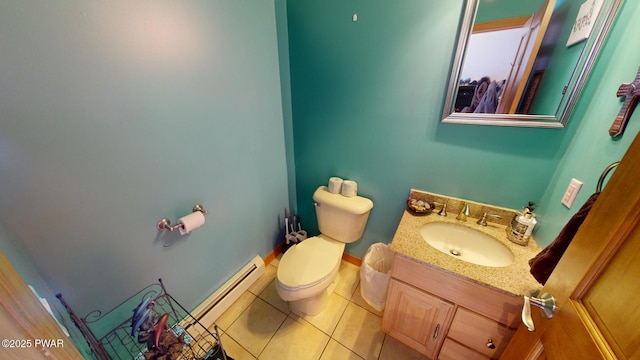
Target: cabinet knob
490,344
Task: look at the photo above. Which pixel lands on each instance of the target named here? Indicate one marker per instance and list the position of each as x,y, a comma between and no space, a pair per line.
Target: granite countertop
514,279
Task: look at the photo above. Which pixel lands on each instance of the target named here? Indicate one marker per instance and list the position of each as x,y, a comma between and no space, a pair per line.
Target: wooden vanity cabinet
446,316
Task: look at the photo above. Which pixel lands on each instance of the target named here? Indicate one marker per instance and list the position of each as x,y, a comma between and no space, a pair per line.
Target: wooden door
596,283
28,330
534,30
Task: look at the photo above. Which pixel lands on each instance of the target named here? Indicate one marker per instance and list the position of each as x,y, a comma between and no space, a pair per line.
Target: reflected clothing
481,89
489,101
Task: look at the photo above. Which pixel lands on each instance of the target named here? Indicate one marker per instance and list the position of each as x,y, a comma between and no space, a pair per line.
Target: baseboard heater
216,304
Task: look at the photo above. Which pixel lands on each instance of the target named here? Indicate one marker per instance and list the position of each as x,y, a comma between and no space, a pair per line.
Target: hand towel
543,264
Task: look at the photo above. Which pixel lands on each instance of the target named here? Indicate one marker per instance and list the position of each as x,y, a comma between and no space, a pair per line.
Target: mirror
539,91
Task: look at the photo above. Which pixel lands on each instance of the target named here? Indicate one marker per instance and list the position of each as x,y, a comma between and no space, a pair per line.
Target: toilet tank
339,217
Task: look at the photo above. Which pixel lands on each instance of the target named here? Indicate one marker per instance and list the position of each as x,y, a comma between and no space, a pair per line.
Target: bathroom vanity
447,308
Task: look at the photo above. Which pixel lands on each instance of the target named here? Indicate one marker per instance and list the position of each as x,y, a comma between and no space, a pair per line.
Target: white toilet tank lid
309,262
355,204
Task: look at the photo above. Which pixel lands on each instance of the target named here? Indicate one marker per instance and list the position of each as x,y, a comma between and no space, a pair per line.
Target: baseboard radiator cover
216,304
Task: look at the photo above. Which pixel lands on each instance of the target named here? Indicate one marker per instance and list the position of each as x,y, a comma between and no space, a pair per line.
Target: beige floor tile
233,312
357,298
335,351
393,349
270,295
349,279
360,331
295,340
235,350
256,325
328,318
269,274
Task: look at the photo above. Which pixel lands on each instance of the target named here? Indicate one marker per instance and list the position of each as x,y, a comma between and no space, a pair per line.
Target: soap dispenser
522,225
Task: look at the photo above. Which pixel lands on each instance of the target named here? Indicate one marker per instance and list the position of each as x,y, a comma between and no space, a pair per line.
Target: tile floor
259,325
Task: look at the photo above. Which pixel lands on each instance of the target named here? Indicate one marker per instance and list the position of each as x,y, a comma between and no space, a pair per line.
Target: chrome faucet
443,210
483,220
464,212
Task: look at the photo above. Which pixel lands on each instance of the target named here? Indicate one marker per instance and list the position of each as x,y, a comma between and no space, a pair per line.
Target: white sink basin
466,244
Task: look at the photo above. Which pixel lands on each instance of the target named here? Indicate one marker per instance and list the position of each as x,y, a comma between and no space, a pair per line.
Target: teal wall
587,149
367,98
285,83
116,114
489,10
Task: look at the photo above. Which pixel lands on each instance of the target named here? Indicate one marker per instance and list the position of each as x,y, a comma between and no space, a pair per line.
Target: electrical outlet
571,192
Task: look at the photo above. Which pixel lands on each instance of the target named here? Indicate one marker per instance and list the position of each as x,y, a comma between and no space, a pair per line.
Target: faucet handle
443,211
483,220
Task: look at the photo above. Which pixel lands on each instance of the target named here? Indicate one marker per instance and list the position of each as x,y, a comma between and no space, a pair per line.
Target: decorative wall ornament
631,92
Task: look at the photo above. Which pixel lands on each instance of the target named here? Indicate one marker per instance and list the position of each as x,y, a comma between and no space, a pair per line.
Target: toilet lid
309,262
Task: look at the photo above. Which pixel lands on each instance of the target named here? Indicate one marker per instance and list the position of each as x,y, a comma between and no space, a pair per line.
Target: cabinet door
479,333
416,318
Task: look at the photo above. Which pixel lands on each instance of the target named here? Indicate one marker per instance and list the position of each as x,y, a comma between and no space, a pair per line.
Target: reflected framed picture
585,21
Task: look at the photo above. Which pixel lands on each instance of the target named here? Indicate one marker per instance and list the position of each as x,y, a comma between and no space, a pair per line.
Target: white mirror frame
573,89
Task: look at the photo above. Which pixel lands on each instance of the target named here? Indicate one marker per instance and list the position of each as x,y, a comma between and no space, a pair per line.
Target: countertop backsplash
476,209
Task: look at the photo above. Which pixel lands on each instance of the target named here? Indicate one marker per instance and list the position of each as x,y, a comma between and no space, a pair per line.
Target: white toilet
308,272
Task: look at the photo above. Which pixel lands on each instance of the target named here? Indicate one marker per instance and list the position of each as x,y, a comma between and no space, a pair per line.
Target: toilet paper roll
335,185
191,222
349,188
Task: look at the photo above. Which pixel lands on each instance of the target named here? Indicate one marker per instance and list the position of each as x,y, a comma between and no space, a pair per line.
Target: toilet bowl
308,272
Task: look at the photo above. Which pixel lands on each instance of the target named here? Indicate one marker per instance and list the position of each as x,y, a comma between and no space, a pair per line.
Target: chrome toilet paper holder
165,224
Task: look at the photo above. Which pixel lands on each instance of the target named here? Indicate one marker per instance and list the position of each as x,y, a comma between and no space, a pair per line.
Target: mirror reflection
524,63
501,58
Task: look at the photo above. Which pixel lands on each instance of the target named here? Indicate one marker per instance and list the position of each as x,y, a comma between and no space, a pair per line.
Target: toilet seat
305,267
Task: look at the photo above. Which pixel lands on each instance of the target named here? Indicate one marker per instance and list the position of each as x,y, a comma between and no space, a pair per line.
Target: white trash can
375,273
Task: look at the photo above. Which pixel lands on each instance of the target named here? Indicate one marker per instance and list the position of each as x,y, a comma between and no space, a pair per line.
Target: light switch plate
571,192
